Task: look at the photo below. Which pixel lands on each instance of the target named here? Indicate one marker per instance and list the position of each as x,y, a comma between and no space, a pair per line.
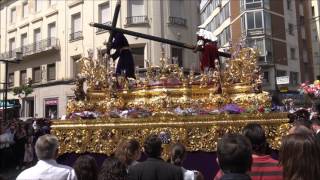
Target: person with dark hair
86,168
263,166
128,152
154,167
235,157
177,156
113,169
300,158
300,129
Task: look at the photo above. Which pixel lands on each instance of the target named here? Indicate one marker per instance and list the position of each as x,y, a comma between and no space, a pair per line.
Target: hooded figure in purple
125,63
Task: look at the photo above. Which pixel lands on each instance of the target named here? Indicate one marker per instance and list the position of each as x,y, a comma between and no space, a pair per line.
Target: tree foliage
22,91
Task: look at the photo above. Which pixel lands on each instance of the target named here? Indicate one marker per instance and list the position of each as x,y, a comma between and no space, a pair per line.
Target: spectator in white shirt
47,168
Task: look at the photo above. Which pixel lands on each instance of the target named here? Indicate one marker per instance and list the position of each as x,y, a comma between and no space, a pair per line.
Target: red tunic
208,55
263,168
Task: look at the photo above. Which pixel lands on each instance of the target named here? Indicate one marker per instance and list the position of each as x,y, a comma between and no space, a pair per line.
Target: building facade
315,30
54,34
279,29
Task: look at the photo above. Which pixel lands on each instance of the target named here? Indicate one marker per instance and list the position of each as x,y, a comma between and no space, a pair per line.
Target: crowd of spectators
17,140
243,156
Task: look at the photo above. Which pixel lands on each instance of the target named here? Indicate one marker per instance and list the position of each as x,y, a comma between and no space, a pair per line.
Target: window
292,53
312,11
51,73
293,78
177,9
52,2
266,77
11,80
136,8
138,56
252,4
176,54
104,13
289,4
12,46
267,22
224,36
25,10
301,20
36,75
254,20
24,42
290,29
37,39
76,65
281,73
76,29
23,77
38,6
257,44
13,14
51,33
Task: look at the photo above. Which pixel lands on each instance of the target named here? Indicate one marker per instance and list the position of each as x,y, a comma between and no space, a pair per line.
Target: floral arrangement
312,90
142,113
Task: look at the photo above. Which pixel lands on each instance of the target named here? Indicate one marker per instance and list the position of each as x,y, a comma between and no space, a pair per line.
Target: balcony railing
177,21
109,23
40,46
255,32
76,36
137,20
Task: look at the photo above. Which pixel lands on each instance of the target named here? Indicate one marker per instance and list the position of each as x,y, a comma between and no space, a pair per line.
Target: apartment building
279,29
315,34
53,34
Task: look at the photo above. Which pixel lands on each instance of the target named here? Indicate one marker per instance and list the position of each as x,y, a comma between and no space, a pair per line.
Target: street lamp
16,60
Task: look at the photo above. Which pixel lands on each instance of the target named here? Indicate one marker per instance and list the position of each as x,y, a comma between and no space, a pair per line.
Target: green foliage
22,91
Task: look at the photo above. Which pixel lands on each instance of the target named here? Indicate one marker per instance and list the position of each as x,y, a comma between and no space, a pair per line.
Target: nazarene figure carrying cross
126,64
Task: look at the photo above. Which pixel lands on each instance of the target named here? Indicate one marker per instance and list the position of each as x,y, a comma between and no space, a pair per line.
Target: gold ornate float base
197,133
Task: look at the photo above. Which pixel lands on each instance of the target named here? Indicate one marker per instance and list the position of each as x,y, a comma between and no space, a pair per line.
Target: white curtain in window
13,15
136,7
52,30
176,8
104,13
39,4
12,44
25,10
24,41
76,23
37,35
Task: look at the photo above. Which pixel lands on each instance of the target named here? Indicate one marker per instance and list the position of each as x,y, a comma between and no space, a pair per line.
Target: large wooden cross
114,24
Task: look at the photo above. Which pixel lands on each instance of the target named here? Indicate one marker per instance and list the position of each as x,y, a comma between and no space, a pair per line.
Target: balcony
34,48
76,36
177,21
255,32
137,20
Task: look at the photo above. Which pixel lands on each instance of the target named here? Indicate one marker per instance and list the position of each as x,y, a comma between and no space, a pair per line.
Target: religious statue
207,45
79,91
123,52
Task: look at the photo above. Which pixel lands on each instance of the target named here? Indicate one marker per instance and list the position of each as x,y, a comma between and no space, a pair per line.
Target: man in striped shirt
263,166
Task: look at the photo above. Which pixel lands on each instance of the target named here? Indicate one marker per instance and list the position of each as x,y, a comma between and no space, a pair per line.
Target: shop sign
51,101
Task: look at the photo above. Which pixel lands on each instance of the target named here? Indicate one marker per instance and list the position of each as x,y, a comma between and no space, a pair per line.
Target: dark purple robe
125,63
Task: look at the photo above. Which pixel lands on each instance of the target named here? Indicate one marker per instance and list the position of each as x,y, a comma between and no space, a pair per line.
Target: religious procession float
181,106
